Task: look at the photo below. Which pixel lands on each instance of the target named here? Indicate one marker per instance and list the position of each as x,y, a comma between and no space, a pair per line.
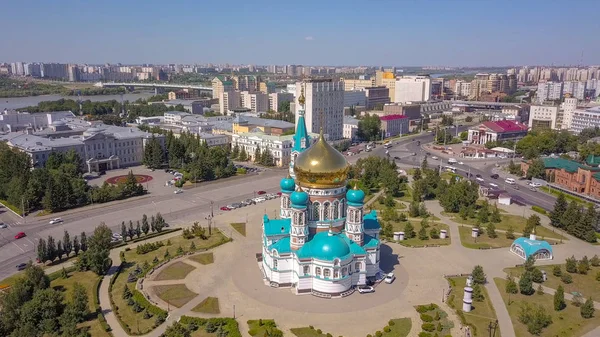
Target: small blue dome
299,198
287,185
326,246
355,196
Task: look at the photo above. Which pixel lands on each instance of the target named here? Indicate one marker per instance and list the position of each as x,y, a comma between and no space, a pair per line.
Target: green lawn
565,323
307,332
482,313
209,305
517,223
175,294
483,241
176,271
584,284
261,327
445,323
203,258
135,321
400,328
399,227
240,227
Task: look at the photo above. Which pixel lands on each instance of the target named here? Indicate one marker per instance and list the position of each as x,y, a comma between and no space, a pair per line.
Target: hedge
155,234
58,274
539,209
139,298
230,325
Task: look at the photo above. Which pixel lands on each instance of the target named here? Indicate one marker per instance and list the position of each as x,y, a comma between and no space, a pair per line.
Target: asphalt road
192,205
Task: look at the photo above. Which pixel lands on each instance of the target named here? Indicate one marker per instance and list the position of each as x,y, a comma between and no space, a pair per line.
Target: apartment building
412,89
229,100
394,125
350,127
221,84
549,91
324,106
275,100
585,118
255,101
544,117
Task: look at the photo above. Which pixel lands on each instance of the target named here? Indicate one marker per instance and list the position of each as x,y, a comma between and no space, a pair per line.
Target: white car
3,225
366,289
434,158
55,221
178,191
493,185
479,179
259,199
389,278
460,163
532,184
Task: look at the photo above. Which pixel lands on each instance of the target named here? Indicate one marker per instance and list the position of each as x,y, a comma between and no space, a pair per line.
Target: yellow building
221,84
247,124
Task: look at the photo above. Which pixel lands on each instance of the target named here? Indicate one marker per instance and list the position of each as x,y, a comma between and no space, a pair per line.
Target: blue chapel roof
276,226
530,247
301,132
370,220
282,246
326,247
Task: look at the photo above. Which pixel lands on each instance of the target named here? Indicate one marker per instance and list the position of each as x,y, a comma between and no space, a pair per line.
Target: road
194,204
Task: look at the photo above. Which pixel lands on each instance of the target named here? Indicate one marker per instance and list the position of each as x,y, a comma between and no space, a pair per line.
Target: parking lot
261,196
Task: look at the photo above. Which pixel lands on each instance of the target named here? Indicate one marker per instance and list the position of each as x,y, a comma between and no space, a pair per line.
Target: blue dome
287,185
324,246
355,196
299,198
531,247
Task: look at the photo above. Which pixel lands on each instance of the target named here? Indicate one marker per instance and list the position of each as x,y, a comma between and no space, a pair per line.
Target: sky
307,32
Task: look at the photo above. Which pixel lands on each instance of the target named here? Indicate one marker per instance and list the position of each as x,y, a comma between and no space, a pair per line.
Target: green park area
175,294
204,327
483,241
240,227
263,327
135,313
176,271
482,312
434,321
203,258
399,327
576,278
209,305
535,315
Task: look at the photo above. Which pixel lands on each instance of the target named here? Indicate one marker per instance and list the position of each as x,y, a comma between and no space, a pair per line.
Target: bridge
153,85
480,104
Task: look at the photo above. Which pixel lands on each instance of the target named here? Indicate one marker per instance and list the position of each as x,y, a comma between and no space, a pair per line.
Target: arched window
336,262
357,215
326,209
357,266
286,202
275,264
315,211
306,270
300,218
336,274
336,210
344,272
318,271
296,218
351,215
342,209
326,273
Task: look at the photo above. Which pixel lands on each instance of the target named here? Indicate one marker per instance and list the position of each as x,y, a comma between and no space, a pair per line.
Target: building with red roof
497,131
394,125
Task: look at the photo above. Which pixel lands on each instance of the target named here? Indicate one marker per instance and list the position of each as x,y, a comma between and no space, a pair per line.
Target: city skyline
328,33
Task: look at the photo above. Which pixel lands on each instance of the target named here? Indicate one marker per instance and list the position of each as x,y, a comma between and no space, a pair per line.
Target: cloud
309,38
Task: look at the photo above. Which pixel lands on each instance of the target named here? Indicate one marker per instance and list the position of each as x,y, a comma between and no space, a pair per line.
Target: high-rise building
584,119
276,98
575,89
568,107
73,73
462,88
355,98
324,106
245,83
229,100
221,84
255,101
291,70
57,71
266,87
413,89
549,91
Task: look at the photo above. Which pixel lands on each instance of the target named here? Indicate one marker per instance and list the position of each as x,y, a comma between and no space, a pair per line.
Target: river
21,102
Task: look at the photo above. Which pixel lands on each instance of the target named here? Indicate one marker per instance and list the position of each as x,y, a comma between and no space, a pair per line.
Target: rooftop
350,120
505,126
392,117
530,247
566,164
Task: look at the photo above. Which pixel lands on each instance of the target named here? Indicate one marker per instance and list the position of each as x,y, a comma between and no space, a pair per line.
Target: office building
350,128
585,118
355,98
413,89
324,106
221,84
497,131
575,89
14,121
377,96
358,84
394,125
275,100
544,117
462,88
255,101
266,87
410,110
229,100
55,71
568,108
549,91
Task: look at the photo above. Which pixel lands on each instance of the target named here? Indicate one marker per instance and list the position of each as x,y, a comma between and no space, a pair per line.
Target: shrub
567,279
378,334
595,261
437,316
440,327
538,209
424,334
329,335
571,266
319,331
147,315
148,247
537,276
587,309
429,327
387,329
426,318
422,308
312,327
556,271
391,323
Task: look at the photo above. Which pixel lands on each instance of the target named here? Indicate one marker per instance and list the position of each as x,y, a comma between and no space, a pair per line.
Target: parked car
494,176
434,157
261,192
21,266
366,289
225,208
389,278
20,235
493,185
259,199
236,205
479,179
478,175
532,184
178,191
55,221
3,225
278,194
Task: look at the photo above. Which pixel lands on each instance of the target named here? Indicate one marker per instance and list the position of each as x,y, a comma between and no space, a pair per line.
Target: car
389,278
414,153
178,191
3,225
21,266
460,163
479,179
397,158
20,235
55,221
278,194
434,157
261,192
236,205
493,185
495,176
478,175
224,208
533,184
259,199
366,289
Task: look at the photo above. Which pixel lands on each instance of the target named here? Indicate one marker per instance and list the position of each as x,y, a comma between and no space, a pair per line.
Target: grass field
483,241
307,332
569,197
261,327
175,294
176,271
584,284
209,305
399,227
445,323
482,313
203,258
240,227
565,323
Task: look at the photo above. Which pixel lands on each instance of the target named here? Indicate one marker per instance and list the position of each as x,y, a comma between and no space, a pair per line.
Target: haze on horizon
384,32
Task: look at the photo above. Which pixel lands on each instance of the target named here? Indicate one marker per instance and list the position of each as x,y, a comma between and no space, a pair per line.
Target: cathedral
323,243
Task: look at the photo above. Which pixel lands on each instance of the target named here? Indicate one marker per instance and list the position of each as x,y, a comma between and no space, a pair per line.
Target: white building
568,107
355,98
543,116
576,89
275,99
585,118
350,127
413,89
324,106
549,91
12,121
462,88
229,100
175,117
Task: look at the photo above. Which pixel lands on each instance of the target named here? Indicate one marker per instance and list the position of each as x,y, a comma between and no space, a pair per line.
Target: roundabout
140,178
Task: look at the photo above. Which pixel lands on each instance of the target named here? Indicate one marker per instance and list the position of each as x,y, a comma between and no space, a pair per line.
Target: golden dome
321,166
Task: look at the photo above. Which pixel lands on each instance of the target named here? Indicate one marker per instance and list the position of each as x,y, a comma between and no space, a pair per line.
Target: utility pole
211,209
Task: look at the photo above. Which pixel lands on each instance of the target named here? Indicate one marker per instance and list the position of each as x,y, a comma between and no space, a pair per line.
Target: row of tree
156,224
571,217
50,249
546,142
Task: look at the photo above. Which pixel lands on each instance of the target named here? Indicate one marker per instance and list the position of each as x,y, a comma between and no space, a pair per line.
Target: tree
536,169
434,233
67,244
138,230
556,271
235,152
159,222
423,234
41,313
495,216
417,174
243,155
50,249
484,212
570,218
84,245
491,230
177,330
510,233
559,298
145,225
80,302
131,230
76,245
585,227
59,250
560,206
424,164
153,153
511,285
257,155
532,222
124,231
478,293
529,263
583,266
409,231
478,275
152,223
369,128
42,253
571,264
96,257
526,284
537,276
587,309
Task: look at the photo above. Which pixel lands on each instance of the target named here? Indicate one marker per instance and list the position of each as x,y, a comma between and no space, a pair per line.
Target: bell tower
299,226
354,215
